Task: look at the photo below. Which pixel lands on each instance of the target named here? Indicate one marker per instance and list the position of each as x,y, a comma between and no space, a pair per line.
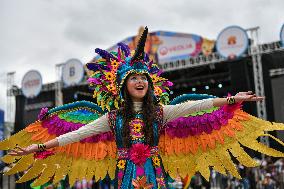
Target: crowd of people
269,175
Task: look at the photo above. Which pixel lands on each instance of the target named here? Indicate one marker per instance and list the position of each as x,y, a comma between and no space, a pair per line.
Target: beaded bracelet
231,100
41,147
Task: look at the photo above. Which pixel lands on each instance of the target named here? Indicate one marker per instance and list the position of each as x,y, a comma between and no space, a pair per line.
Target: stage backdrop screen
278,101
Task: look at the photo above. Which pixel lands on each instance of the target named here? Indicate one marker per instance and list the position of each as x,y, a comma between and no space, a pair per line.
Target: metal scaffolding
255,53
10,107
216,58
58,85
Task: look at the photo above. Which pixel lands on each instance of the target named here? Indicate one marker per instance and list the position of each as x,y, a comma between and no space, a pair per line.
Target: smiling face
137,86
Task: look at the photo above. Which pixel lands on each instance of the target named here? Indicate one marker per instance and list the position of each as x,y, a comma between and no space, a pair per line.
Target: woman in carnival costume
132,135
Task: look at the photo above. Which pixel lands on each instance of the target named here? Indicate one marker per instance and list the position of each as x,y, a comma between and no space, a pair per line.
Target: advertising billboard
232,42
72,72
174,46
164,46
31,84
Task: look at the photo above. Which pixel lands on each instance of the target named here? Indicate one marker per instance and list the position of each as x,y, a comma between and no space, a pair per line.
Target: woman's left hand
247,96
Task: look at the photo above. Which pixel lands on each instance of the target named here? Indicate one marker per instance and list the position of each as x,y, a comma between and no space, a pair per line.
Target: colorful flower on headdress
112,89
111,70
158,91
114,64
109,76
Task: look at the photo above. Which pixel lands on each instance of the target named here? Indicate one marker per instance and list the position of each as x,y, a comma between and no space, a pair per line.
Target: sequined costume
152,168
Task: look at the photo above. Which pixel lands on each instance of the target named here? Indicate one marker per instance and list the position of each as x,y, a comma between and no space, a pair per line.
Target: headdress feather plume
112,69
104,54
139,52
124,49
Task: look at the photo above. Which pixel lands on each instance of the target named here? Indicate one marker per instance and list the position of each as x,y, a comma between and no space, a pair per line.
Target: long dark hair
149,112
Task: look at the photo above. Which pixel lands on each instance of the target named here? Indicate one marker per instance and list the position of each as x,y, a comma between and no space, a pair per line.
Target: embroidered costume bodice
140,160
136,125
136,129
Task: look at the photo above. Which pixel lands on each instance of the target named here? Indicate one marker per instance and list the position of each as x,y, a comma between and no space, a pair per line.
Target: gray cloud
37,34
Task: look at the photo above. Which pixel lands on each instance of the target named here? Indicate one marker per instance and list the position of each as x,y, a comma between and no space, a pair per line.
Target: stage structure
10,105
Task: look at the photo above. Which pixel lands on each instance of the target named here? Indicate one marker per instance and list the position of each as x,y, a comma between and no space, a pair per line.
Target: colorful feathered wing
93,156
209,139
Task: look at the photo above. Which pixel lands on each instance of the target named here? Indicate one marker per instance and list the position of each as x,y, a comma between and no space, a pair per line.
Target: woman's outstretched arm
174,111
96,127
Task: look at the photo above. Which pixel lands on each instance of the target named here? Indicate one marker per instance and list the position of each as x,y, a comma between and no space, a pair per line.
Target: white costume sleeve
98,126
174,111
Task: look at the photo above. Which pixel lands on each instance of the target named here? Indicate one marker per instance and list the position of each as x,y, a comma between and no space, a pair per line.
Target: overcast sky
37,34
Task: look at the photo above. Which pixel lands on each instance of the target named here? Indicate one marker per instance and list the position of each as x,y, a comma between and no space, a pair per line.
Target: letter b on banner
72,72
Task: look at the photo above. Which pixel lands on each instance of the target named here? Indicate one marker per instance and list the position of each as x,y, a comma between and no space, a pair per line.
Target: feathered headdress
112,68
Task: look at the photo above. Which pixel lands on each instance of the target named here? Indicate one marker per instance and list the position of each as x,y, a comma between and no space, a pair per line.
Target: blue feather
79,105
192,96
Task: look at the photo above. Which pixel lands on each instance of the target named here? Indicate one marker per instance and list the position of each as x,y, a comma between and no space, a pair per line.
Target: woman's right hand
18,151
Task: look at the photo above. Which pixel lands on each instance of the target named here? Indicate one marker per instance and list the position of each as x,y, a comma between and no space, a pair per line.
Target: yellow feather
16,139
98,97
34,171
112,167
183,170
116,104
107,103
74,173
91,169
63,167
203,166
101,169
47,173
21,165
238,152
9,158
274,126
225,158
82,171
255,145
215,162
102,104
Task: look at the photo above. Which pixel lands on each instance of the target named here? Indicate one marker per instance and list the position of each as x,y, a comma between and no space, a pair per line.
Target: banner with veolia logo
174,46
